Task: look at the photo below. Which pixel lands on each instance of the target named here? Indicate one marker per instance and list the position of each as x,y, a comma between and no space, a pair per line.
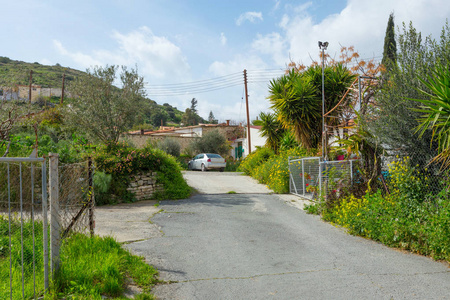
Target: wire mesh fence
76,199
23,228
25,252
304,177
311,177
336,175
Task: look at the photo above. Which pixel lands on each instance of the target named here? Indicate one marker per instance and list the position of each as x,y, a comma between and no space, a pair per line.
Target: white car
207,161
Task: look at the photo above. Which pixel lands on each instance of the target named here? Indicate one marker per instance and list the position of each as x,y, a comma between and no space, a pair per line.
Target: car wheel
222,169
203,168
189,167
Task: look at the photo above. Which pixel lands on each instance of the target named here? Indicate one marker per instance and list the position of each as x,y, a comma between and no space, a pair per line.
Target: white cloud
223,39
251,16
83,60
157,58
362,24
272,44
277,4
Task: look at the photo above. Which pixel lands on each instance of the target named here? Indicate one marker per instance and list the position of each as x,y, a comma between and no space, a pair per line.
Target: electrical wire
212,84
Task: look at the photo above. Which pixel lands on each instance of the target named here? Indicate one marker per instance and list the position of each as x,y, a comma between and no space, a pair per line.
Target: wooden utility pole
248,115
29,90
62,91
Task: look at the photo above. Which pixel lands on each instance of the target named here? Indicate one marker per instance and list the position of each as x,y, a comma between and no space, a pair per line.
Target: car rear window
214,155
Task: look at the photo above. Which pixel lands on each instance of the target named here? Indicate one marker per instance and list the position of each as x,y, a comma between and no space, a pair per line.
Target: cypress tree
390,46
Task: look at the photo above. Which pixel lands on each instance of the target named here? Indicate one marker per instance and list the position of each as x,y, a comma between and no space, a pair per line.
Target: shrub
271,169
120,160
211,142
254,159
102,183
409,217
170,146
232,165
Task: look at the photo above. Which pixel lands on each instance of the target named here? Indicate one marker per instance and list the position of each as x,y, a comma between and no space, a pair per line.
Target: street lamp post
323,46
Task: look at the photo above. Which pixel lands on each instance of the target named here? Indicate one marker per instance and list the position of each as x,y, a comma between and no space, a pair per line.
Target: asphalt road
255,246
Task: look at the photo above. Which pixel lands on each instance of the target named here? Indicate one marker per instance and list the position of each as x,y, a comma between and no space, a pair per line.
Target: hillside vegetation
18,72
15,72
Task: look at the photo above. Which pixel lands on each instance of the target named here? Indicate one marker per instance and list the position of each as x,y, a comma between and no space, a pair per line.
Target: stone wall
144,186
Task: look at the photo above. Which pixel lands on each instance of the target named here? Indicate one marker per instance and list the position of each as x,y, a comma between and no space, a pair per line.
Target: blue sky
174,42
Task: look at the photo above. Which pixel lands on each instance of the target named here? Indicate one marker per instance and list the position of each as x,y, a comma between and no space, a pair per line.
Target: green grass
231,192
16,258
95,267
410,217
90,267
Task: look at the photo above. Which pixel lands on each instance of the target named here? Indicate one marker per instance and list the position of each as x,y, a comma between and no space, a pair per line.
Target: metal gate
24,259
310,177
304,176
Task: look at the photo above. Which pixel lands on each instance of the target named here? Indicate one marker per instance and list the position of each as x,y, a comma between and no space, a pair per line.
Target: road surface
253,245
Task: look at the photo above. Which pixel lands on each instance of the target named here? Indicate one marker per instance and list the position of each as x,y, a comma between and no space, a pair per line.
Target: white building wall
256,140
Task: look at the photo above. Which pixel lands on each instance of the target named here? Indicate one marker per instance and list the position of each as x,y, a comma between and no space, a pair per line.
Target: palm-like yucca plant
297,99
437,110
294,100
271,129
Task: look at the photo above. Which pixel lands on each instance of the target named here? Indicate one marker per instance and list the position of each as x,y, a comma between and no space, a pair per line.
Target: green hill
14,72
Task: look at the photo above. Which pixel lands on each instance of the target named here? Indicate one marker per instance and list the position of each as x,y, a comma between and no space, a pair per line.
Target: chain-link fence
421,168
336,175
76,198
24,238
311,177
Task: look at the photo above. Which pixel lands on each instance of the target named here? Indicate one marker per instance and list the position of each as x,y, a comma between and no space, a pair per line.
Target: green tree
189,117
159,117
394,118
211,118
211,142
390,45
100,109
194,105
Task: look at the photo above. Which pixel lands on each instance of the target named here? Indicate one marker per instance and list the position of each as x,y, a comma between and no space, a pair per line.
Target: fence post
320,178
55,226
45,223
290,177
303,177
91,197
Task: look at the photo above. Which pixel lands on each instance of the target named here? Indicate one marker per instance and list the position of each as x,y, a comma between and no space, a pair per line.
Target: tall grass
90,267
16,258
95,267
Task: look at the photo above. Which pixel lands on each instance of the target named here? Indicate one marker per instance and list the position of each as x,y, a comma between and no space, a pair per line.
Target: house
24,92
240,146
184,135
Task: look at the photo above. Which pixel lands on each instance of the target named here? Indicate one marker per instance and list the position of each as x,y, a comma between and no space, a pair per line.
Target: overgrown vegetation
91,268
411,209
271,169
121,160
410,216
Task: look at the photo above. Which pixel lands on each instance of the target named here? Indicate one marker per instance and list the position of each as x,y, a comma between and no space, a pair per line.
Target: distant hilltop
17,73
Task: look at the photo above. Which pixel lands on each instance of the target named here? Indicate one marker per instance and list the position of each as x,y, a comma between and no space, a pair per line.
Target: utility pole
62,91
29,90
248,115
323,46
